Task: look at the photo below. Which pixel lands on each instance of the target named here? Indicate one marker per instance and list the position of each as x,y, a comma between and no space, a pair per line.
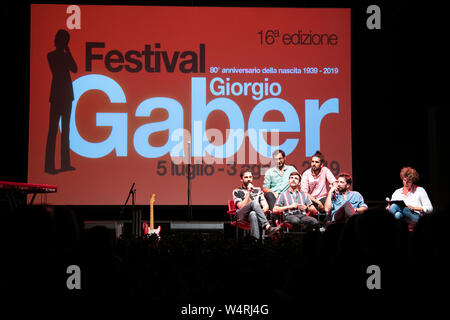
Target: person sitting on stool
316,181
343,203
295,204
251,206
415,198
276,179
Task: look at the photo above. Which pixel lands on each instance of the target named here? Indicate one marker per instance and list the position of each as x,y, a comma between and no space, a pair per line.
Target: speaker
117,227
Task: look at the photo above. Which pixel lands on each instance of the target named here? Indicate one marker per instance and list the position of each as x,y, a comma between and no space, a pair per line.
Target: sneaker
272,231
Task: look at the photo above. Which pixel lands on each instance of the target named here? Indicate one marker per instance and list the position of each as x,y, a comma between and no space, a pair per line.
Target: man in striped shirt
296,205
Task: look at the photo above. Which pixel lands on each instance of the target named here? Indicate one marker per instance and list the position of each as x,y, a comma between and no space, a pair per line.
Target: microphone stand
189,182
119,224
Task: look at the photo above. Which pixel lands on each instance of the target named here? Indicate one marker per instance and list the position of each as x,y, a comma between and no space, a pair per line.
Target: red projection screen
136,92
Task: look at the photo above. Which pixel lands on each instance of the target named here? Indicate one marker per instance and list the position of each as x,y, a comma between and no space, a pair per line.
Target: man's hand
297,206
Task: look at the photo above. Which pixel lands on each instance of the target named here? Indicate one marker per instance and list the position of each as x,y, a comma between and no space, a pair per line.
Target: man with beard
276,179
343,203
251,206
295,205
316,181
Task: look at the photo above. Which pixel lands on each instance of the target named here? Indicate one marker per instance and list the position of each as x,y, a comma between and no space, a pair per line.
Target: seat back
231,207
234,221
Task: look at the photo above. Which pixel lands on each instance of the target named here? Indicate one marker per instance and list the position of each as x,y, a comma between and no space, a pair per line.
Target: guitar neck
151,216
152,201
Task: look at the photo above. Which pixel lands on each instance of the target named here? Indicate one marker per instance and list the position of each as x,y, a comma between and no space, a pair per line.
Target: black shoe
254,241
68,168
272,231
51,171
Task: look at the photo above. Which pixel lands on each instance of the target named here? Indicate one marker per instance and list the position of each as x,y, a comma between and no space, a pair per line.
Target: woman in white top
415,197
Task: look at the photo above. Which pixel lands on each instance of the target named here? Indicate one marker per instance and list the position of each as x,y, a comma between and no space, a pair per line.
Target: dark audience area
39,243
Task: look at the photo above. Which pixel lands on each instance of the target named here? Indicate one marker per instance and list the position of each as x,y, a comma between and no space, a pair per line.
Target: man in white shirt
414,197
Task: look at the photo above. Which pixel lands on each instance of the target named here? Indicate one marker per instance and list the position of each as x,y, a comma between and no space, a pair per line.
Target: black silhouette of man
61,63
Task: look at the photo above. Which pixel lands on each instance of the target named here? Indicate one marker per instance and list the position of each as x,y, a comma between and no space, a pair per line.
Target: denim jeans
253,213
406,213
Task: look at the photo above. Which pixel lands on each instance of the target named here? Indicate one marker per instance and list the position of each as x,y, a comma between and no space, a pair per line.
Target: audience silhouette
41,242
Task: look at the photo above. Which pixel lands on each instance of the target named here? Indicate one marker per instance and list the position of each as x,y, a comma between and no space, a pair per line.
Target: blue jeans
253,213
400,213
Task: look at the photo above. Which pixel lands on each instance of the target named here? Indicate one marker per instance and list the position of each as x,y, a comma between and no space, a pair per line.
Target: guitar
148,229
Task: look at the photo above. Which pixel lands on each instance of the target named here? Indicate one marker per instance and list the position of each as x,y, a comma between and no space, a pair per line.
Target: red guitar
148,229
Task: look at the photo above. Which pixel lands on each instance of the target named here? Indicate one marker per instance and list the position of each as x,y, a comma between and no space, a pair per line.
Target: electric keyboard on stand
11,189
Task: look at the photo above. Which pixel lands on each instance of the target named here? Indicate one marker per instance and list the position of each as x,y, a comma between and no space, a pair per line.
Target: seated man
251,205
316,181
343,203
414,199
294,204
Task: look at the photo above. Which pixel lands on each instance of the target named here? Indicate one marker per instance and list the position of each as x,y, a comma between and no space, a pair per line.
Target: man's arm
267,185
331,179
244,201
309,207
279,206
71,62
328,202
281,209
263,202
361,209
426,207
304,183
314,200
240,197
312,210
361,206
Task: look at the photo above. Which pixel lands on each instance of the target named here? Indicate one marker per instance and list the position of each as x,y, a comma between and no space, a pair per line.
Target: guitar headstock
153,199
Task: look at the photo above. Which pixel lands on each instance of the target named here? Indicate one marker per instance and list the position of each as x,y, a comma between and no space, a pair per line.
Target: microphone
250,186
388,203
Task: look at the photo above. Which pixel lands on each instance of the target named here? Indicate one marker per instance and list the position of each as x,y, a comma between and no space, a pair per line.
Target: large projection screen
152,95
